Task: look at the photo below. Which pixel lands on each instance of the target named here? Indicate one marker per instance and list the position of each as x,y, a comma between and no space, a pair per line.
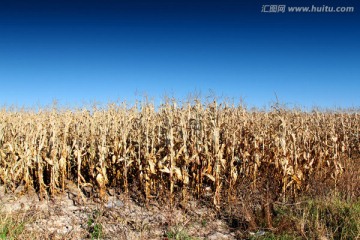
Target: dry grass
225,155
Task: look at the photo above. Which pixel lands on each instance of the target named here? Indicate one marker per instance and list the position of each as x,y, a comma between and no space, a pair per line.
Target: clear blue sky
79,51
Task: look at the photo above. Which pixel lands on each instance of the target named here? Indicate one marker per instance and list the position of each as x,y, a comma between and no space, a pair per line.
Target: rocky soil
70,216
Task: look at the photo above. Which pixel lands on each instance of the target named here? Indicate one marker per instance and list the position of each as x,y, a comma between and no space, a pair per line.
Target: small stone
219,236
114,203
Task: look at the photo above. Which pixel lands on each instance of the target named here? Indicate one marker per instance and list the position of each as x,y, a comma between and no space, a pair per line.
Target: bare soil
69,216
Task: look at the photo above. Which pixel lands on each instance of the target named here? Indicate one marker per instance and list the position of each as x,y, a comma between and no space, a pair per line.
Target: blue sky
81,51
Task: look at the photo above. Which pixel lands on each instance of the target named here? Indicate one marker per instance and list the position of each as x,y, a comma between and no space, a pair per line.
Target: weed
94,227
272,236
11,227
178,234
203,223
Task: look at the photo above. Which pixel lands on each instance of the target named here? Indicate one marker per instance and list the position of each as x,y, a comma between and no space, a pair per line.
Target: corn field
211,150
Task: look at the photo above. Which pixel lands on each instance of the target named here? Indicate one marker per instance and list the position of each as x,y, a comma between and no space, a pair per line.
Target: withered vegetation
241,162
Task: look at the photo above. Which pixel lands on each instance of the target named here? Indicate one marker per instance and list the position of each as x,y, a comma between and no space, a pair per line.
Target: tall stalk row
202,150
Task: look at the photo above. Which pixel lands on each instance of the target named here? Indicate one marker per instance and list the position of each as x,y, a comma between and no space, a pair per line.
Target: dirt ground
69,216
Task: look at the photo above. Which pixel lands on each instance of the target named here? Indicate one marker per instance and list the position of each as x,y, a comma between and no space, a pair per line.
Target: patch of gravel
61,217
